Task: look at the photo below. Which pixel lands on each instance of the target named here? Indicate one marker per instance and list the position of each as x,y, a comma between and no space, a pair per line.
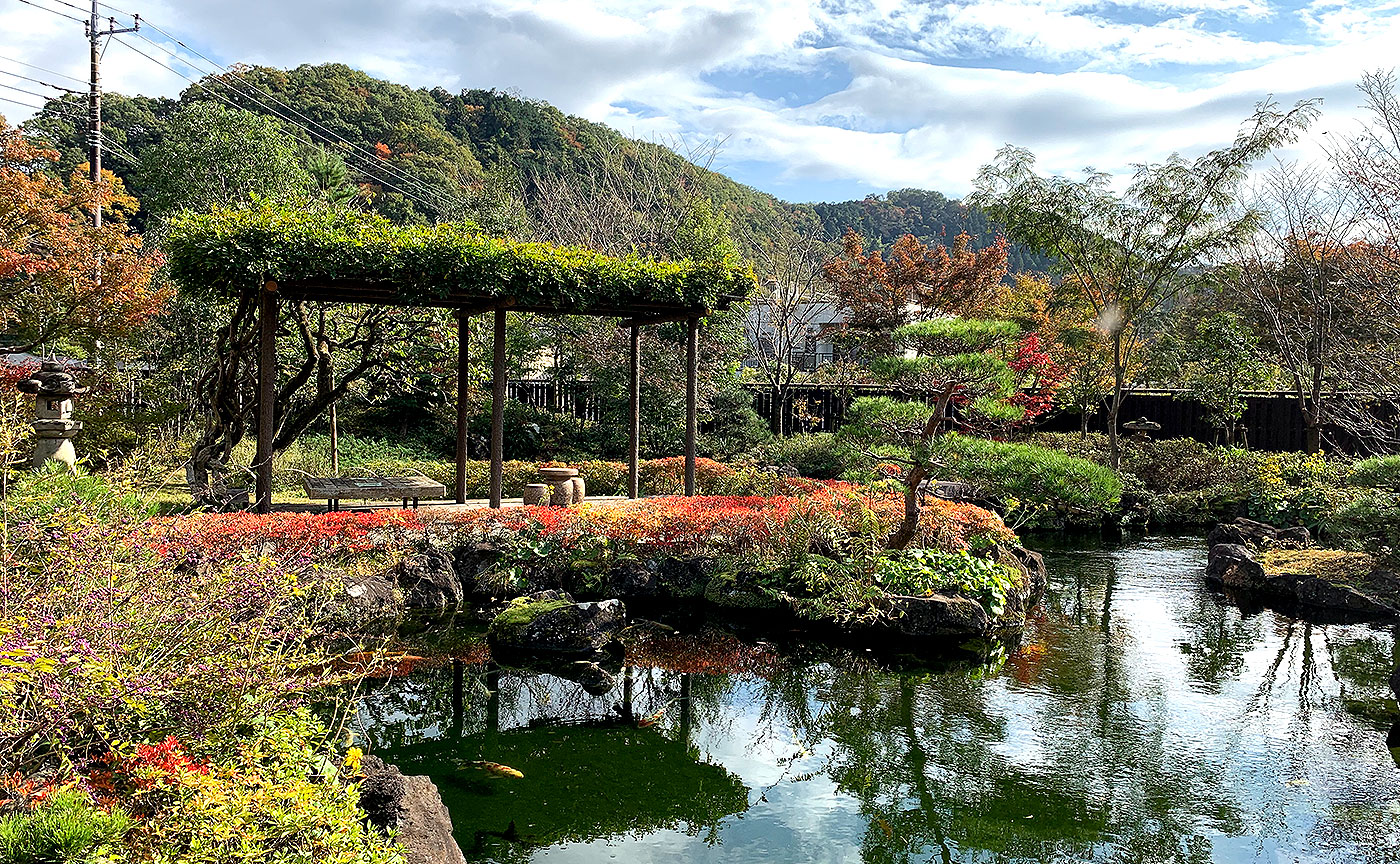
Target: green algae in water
580,782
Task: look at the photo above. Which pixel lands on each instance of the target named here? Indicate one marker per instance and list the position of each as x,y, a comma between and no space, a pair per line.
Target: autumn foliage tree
62,280
878,292
920,315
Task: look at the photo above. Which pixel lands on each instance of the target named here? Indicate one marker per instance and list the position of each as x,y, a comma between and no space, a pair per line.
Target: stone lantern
54,387
1142,428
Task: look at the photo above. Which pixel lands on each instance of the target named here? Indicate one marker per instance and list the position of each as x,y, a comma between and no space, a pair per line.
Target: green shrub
66,829
818,455
277,797
48,494
1035,486
1382,472
1179,481
1369,523
856,588
923,572
734,426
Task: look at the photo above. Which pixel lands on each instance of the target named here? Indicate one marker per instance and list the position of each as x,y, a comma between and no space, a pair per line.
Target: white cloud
882,93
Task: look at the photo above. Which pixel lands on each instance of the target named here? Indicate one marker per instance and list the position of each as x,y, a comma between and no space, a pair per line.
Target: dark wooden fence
1272,422
575,398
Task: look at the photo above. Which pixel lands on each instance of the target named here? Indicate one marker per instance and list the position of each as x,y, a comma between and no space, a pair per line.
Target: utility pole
95,96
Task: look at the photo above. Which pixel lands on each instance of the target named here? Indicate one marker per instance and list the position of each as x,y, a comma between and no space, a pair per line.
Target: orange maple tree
880,292
61,278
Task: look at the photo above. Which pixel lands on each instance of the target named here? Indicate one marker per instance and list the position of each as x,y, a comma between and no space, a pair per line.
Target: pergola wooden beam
267,384
664,319
634,409
498,407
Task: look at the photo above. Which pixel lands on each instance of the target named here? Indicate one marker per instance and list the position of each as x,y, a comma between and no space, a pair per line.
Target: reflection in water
1140,720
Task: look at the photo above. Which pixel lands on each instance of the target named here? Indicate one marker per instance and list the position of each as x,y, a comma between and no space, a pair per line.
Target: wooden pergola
466,308
361,259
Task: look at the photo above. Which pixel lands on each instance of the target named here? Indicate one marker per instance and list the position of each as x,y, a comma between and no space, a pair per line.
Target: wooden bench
409,489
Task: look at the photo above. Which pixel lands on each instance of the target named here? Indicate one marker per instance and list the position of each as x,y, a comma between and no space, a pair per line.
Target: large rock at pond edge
475,564
368,604
937,616
1342,599
429,582
411,806
550,622
1233,566
1258,536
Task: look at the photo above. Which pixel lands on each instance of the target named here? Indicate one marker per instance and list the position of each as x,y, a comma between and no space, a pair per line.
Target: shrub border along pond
817,554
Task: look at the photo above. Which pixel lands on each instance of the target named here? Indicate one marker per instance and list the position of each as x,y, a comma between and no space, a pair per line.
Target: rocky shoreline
431,585
574,624
1260,563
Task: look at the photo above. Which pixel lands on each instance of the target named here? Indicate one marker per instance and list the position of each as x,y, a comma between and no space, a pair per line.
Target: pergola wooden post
267,394
464,341
498,407
692,361
634,410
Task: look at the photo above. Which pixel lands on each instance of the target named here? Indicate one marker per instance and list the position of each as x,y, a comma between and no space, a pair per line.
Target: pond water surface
1140,719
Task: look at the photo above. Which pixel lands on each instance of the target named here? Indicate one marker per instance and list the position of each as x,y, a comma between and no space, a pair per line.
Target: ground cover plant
149,698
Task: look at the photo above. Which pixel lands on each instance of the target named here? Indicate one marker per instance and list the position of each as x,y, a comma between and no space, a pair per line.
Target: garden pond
1140,718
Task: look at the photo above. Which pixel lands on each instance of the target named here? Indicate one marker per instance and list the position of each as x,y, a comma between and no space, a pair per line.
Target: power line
113,147
18,102
70,5
326,134
443,200
37,81
25,92
230,102
42,69
52,11
385,170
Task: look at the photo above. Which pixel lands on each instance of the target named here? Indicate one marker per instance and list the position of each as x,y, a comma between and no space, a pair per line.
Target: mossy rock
1334,565
550,622
1350,584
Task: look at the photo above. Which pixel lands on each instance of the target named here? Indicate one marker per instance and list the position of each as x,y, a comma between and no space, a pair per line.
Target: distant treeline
929,216
478,145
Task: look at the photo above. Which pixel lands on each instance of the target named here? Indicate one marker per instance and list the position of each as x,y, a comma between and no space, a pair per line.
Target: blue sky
812,100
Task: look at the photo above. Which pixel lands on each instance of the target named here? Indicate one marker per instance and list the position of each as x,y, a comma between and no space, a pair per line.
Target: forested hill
931,217
426,154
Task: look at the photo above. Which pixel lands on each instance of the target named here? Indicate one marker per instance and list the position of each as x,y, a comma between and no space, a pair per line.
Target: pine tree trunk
909,524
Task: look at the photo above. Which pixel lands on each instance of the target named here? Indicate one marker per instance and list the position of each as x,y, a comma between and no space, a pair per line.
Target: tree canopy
61,278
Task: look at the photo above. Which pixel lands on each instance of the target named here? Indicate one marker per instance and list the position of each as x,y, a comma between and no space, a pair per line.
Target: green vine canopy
231,251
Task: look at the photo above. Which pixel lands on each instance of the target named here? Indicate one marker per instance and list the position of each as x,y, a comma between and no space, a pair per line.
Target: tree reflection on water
1141,719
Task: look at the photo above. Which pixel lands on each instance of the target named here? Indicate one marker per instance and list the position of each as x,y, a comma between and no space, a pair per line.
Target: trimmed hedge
655,476
1036,486
230,251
